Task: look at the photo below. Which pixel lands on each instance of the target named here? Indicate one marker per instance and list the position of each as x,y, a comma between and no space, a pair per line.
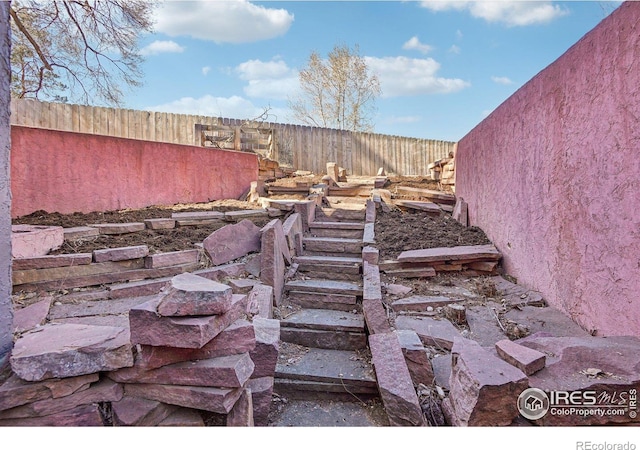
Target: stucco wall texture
553,177
68,172
6,314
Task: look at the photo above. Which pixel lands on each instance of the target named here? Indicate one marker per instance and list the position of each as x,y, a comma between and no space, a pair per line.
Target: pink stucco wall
67,172
553,177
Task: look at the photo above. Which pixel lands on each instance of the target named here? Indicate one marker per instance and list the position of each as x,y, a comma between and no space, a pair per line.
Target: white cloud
501,80
256,69
157,47
508,12
233,21
206,70
234,107
415,44
271,79
400,76
403,119
455,49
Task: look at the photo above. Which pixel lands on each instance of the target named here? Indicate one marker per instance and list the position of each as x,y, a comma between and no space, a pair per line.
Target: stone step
331,273
330,267
319,371
326,320
317,300
336,233
331,245
334,340
338,214
337,225
324,287
321,328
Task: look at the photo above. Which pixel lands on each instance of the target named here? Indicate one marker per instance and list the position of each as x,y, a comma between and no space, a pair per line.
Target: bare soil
396,231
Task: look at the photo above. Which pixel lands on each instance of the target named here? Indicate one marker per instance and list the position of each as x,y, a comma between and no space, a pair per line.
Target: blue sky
443,65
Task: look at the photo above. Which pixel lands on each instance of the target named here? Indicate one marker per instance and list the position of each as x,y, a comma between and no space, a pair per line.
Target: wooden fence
297,146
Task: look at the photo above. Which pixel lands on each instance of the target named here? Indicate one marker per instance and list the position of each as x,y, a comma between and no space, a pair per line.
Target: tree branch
33,42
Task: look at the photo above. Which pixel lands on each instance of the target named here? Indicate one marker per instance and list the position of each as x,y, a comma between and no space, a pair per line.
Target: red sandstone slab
104,278
140,412
69,350
394,381
31,316
524,358
120,254
468,252
249,214
183,417
243,285
198,215
119,228
35,240
370,212
260,301
170,259
223,371
82,416
160,224
239,337
103,391
241,415
74,233
218,273
416,357
95,308
324,287
49,261
261,394
428,207
232,241
16,392
432,332
272,261
56,273
185,332
193,295
218,400
138,288
483,387
265,353
436,196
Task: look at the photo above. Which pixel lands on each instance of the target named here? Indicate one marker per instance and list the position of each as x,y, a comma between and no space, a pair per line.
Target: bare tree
84,49
338,92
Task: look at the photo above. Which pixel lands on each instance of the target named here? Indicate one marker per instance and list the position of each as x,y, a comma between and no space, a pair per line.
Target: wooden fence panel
307,148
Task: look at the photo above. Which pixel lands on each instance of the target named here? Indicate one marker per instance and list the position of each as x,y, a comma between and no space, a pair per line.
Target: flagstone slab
432,332
265,353
217,400
467,253
102,391
169,259
324,319
193,295
69,350
141,412
261,394
147,327
31,316
160,223
82,416
483,388
324,286
232,241
394,381
183,417
239,337
120,253
50,261
223,371
16,392
119,228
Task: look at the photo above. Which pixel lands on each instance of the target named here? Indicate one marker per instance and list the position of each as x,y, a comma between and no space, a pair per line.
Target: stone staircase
324,342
